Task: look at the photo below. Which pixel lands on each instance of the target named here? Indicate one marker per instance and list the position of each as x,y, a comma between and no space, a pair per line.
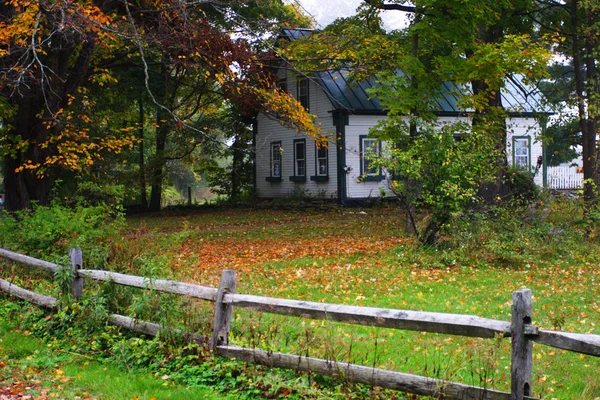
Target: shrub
519,186
48,232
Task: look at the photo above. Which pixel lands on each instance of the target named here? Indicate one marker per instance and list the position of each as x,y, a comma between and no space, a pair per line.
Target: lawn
356,257
363,257
29,369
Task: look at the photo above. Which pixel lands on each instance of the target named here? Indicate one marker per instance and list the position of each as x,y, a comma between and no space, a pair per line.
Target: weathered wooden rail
519,329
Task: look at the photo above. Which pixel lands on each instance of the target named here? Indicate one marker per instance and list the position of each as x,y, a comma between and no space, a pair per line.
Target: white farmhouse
289,162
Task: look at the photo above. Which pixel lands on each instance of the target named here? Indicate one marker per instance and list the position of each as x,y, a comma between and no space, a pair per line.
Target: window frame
364,176
272,176
527,140
297,177
318,176
303,85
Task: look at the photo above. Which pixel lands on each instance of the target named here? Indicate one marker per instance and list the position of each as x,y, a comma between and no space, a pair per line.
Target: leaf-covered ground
358,257
198,247
31,370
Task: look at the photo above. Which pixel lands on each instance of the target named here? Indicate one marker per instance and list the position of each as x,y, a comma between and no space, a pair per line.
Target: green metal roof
517,97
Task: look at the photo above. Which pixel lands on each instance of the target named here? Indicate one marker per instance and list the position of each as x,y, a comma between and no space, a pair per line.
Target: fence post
76,264
522,348
223,310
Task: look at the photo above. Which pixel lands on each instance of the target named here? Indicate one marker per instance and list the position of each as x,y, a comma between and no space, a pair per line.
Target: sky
326,11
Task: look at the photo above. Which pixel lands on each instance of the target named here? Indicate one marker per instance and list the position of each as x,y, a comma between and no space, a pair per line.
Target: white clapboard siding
270,131
526,127
564,178
355,189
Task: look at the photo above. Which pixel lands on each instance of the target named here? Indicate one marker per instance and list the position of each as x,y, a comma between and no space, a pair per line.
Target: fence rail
160,285
519,329
421,321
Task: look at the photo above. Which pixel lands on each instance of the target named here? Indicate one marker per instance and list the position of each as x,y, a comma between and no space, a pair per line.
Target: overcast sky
325,11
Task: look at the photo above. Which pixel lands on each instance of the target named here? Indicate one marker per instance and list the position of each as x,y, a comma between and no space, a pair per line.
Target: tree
51,53
574,25
467,44
45,52
563,135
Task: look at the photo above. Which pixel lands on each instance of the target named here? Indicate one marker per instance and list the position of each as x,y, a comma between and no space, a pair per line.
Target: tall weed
48,232
513,235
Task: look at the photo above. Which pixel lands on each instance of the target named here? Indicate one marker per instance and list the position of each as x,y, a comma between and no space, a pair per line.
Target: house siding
359,125
269,130
529,127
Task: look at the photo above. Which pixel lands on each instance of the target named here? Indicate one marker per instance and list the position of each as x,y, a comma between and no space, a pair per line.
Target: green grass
37,370
347,257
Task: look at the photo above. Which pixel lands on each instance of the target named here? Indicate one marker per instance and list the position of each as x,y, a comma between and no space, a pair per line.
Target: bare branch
396,7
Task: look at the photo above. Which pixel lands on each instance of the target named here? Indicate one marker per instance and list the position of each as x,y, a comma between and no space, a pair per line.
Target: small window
369,149
521,152
322,161
276,159
300,157
303,95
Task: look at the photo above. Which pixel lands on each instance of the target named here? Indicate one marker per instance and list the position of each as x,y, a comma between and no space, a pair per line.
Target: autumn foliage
55,55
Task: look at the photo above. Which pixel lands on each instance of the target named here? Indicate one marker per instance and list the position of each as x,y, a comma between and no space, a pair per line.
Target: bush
519,186
48,232
88,192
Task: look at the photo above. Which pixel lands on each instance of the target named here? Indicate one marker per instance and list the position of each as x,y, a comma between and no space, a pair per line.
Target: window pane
368,168
521,152
300,150
276,160
322,152
302,94
521,161
322,167
370,150
282,84
300,168
369,145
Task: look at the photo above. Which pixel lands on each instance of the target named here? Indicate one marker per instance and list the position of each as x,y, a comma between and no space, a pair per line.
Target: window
369,149
282,84
276,160
302,93
522,152
322,161
321,164
300,157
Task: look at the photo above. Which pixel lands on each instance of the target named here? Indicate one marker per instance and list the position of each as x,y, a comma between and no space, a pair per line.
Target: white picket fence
564,178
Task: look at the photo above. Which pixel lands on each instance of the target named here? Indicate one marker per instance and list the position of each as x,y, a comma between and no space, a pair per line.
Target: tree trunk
35,121
590,165
429,235
158,166
492,191
143,196
24,187
410,209
235,166
162,131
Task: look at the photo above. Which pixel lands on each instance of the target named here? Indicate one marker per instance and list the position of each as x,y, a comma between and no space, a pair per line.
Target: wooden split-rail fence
520,329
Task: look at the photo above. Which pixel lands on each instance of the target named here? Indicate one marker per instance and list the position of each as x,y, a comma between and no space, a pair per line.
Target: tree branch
397,7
